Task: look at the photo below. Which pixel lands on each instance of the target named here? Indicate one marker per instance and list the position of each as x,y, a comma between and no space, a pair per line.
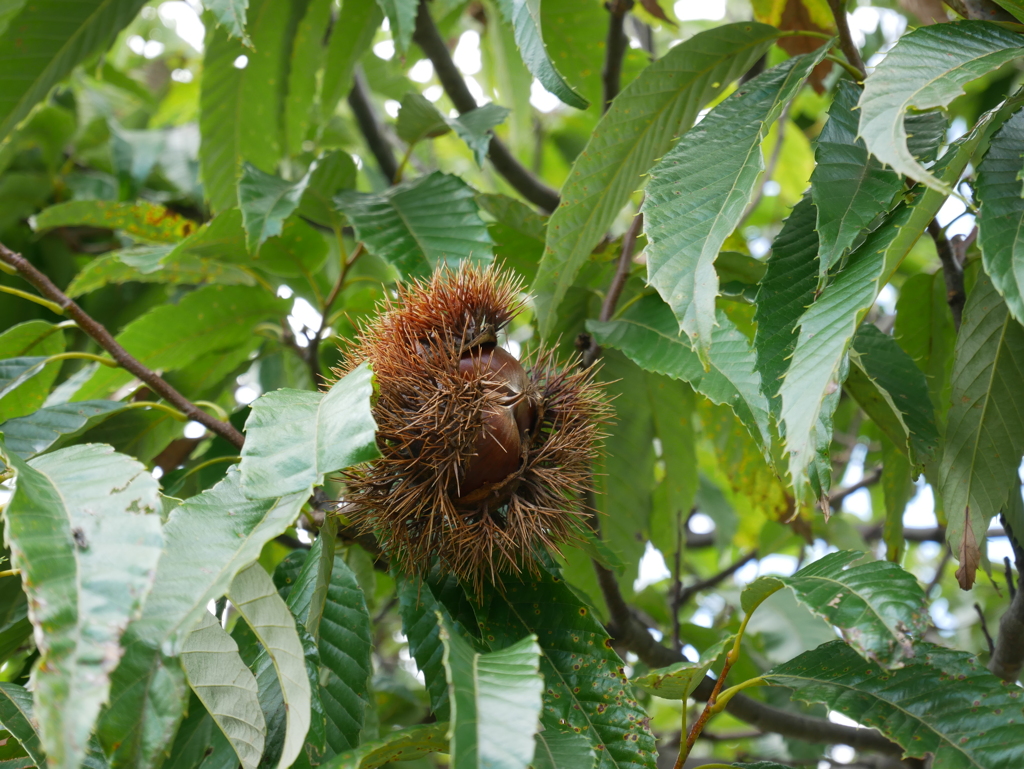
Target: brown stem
615,50
836,499
984,629
705,715
124,359
429,39
705,584
952,272
314,343
846,43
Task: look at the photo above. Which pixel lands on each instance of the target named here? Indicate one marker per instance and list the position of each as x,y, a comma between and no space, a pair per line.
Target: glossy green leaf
84,531
700,189
335,170
402,745
359,19
142,220
1002,213
230,14
218,528
419,119
968,727
850,188
253,594
419,608
584,684
239,115
524,17
649,334
679,681
25,379
879,607
419,225
402,15
563,750
45,41
226,688
785,291
48,427
294,437
495,702
173,335
474,128
891,389
16,717
985,433
927,68
266,201
639,127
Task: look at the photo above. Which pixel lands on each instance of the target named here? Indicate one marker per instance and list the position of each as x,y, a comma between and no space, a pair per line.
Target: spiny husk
429,416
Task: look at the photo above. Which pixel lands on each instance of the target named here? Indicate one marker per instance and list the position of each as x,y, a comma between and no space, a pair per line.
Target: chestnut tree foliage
790,234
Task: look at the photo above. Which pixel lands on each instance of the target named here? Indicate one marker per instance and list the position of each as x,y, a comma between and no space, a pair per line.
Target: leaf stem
159,407
208,463
51,306
81,356
10,573
854,72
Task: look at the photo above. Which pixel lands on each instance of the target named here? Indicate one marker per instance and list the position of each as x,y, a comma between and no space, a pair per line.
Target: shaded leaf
419,608
402,744
850,188
402,15
679,681
301,110
421,224
253,594
44,42
700,189
965,728
649,334
517,231
353,32
48,427
1001,235
418,119
927,67
474,128
335,170
525,20
639,127
495,702
84,531
266,201
985,433
563,750
141,220
16,717
226,688
897,489
295,436
25,378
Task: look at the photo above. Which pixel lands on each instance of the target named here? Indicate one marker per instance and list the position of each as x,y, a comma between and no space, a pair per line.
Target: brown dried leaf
796,16
969,556
652,7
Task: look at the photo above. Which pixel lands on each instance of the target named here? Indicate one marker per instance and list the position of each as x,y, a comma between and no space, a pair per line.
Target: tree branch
124,359
952,272
370,127
835,499
846,43
686,593
611,297
1008,656
429,39
615,49
630,632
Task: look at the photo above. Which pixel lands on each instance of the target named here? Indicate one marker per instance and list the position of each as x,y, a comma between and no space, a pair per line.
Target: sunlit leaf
679,681
142,220
48,427
404,744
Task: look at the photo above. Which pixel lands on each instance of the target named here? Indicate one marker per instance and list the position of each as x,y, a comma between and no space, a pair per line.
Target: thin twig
314,343
429,39
939,570
1009,576
846,43
611,297
836,499
370,127
952,272
705,584
984,629
125,359
615,50
677,585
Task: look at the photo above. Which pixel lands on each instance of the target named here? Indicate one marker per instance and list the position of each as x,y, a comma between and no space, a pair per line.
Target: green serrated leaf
419,225
419,119
757,592
44,41
84,531
335,170
639,127
649,334
25,378
253,594
301,110
967,727
891,389
1001,218
48,427
474,128
985,433
351,37
239,109
897,489
294,437
525,20
217,527
517,231
226,688
266,201
495,701
403,744
786,290
877,605
173,335
16,717
850,188
679,681
231,15
142,220
563,750
927,67
700,189
402,15
585,687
